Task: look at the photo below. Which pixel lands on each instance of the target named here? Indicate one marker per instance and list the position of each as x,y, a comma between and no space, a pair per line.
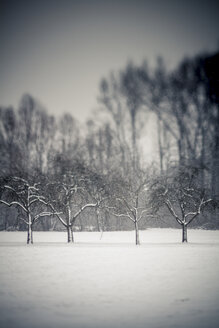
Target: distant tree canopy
102,163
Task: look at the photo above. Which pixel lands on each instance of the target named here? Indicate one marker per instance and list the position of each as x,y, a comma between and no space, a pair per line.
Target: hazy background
59,50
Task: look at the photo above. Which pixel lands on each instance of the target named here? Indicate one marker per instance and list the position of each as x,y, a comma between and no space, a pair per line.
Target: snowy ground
109,282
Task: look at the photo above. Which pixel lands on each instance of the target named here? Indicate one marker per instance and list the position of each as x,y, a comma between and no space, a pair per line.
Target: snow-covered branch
195,214
25,221
33,188
53,210
81,210
36,217
111,211
12,189
21,180
17,193
14,203
170,208
57,214
123,200
36,199
123,215
141,215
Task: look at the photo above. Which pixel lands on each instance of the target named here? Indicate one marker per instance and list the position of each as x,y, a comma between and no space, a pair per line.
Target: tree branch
123,215
23,220
148,215
195,214
170,208
55,212
16,192
14,203
81,210
36,217
126,204
37,198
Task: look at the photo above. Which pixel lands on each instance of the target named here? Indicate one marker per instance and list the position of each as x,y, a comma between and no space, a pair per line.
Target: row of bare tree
54,170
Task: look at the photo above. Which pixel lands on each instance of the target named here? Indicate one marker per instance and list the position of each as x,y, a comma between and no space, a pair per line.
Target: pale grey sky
58,50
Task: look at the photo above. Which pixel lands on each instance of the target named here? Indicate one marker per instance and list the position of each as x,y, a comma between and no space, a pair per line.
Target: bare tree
130,88
130,198
185,102
121,99
10,149
66,196
180,192
35,135
26,196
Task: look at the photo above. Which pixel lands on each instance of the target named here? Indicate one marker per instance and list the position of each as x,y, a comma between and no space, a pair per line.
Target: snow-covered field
110,282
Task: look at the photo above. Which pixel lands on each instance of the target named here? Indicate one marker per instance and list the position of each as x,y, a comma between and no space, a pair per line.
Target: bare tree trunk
72,235
100,150
29,230
134,147
29,234
106,223
6,219
160,144
69,226
69,239
179,143
202,157
184,233
99,227
137,240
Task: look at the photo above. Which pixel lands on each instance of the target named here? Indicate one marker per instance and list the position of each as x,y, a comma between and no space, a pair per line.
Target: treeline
58,174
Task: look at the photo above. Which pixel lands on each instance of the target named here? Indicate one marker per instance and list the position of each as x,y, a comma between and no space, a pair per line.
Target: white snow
110,282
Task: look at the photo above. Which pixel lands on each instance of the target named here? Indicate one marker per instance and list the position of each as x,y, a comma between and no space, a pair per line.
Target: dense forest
58,174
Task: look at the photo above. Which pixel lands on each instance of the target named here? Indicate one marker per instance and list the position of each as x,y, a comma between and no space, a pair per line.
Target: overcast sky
58,50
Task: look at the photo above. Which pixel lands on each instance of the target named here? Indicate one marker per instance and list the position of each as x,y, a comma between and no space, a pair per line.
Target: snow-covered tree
66,196
27,197
130,198
180,192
